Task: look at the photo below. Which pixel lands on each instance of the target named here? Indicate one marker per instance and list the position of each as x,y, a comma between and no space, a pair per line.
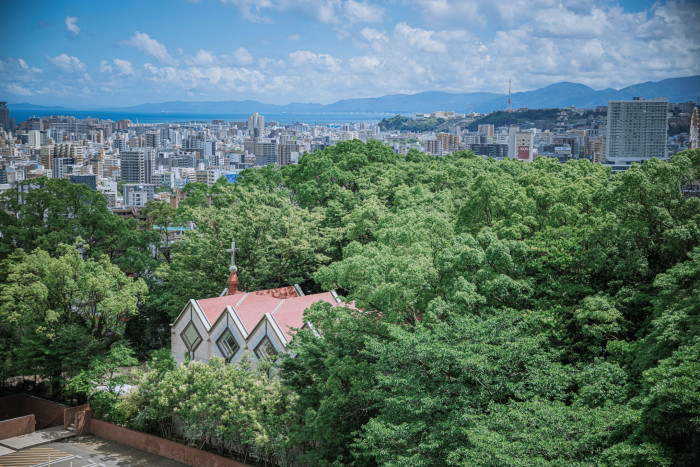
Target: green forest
506,313
401,123
520,117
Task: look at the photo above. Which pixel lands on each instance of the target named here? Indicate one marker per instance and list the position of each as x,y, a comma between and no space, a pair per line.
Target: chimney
232,283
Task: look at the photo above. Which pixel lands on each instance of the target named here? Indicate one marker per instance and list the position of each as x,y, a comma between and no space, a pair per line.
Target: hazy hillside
553,96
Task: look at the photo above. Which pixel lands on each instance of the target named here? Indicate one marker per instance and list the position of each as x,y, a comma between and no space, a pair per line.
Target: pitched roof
290,314
284,305
213,307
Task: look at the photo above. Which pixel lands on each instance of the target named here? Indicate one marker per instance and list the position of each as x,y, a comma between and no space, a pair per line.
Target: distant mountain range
557,95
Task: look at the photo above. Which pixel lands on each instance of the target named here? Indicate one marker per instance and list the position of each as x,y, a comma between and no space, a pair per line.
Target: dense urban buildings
132,163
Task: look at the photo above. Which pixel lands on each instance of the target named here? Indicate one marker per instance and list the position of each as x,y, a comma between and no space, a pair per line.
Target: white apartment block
636,130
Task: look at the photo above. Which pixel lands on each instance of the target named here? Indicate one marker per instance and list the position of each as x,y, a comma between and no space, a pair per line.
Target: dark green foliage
401,123
505,313
503,118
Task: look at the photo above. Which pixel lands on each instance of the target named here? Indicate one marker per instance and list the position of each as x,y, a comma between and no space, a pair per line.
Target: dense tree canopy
506,313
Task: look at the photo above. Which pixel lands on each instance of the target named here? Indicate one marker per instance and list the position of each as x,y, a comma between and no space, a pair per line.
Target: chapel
261,322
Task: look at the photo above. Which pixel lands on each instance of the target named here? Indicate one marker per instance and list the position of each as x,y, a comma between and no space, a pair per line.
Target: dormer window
264,349
191,337
227,345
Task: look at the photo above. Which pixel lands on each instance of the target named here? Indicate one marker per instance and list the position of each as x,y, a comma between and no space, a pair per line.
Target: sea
174,117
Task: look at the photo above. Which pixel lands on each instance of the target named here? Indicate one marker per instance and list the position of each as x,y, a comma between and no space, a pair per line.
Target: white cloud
14,88
124,67
149,46
419,38
202,58
543,42
216,79
242,57
250,9
363,12
266,62
365,64
105,67
67,63
325,11
317,61
72,25
370,34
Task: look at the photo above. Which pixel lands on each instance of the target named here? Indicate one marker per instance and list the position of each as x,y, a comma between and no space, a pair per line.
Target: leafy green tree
231,408
64,308
45,213
104,381
280,244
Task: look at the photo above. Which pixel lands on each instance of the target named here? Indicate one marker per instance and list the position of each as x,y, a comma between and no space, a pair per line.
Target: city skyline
280,51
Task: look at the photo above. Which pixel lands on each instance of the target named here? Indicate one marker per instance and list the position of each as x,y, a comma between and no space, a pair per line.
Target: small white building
261,322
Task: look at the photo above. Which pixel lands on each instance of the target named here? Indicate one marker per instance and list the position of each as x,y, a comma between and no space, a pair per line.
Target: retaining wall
159,446
17,426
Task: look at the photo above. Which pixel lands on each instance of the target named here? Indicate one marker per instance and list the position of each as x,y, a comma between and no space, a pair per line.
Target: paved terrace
88,451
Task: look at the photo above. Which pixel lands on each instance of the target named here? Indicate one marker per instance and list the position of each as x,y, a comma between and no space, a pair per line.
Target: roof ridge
278,306
241,300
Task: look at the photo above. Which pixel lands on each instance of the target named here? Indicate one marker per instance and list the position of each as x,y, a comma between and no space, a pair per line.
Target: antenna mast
509,109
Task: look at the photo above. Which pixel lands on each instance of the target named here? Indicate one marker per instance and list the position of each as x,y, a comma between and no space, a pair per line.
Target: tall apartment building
287,151
137,195
152,139
434,147
521,145
694,142
5,121
636,130
449,142
486,129
137,165
35,138
256,125
492,150
120,143
62,166
46,155
266,152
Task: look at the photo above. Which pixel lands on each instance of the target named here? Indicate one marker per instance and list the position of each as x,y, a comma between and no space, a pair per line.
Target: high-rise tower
636,130
256,125
5,121
509,108
694,142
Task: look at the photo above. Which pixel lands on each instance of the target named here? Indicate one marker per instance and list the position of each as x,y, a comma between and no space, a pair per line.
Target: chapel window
191,337
227,345
264,349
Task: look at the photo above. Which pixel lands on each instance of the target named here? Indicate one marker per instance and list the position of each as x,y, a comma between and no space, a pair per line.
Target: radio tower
509,109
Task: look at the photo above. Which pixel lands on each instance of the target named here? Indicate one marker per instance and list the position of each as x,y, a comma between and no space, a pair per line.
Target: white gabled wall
265,328
178,349
229,319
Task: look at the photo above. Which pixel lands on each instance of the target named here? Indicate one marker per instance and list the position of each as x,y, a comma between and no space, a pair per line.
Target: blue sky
279,51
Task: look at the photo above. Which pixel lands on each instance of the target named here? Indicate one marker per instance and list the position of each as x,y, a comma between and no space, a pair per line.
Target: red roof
213,307
284,305
291,313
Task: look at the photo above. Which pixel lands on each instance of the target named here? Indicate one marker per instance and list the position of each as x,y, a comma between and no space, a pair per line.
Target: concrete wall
69,414
27,413
17,426
47,413
12,406
159,446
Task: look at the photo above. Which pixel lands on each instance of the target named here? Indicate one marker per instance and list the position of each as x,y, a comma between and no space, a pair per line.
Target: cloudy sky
280,51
